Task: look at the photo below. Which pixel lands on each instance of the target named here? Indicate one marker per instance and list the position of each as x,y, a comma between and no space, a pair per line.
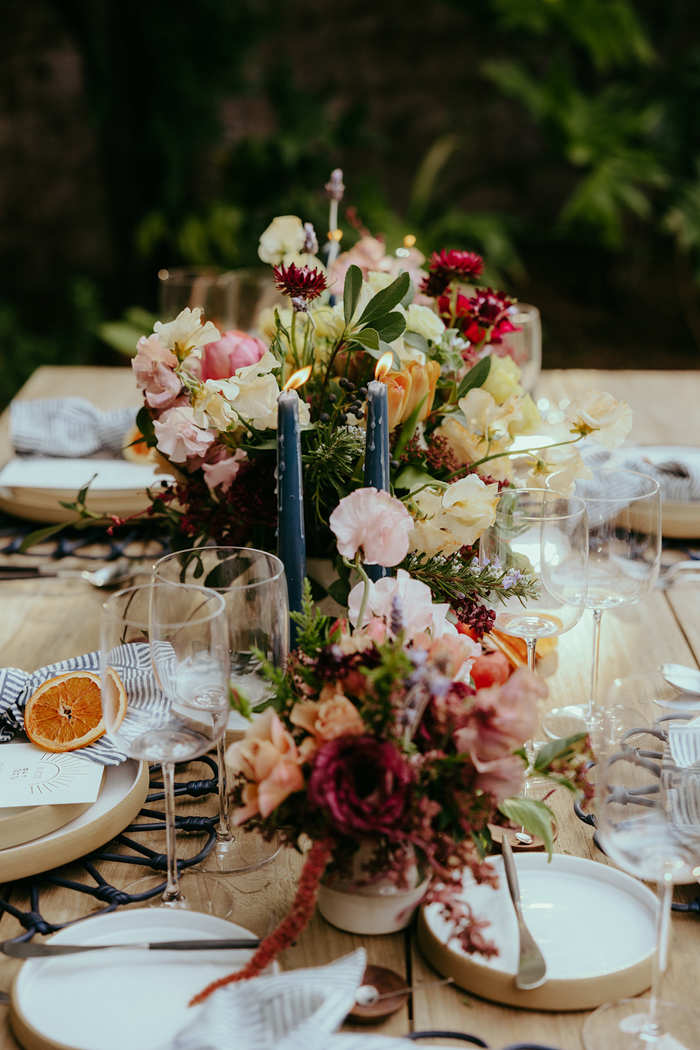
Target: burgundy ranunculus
363,784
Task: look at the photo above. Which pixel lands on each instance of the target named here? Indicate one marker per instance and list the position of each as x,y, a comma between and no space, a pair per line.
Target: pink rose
269,759
154,367
498,722
223,471
179,437
374,521
234,350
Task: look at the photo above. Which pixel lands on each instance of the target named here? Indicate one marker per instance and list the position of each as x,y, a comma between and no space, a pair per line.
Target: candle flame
383,365
298,379
409,240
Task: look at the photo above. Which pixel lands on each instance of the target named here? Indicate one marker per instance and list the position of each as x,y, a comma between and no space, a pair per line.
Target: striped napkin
133,664
71,427
297,1010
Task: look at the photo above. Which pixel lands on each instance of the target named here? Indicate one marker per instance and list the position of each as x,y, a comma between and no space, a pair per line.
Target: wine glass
164,669
254,588
543,534
648,818
624,553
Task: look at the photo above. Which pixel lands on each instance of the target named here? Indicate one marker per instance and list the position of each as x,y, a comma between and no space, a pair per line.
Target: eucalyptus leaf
476,376
390,326
387,299
417,341
556,750
532,815
351,292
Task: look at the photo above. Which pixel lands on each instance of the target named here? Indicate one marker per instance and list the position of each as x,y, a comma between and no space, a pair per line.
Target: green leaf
412,478
556,750
417,341
409,296
368,338
532,815
390,326
144,421
408,428
84,490
351,292
476,376
387,299
42,534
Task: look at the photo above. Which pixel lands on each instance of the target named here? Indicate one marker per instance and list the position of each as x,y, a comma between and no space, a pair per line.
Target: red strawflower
446,266
302,283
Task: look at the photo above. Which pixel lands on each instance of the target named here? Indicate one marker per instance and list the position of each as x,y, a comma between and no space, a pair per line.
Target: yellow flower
530,418
503,379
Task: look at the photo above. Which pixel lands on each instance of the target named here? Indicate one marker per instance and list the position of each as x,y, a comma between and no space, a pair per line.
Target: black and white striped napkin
297,1010
71,427
133,664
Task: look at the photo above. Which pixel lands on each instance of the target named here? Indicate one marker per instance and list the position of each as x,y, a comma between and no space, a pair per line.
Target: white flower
503,379
329,321
530,419
186,334
378,280
301,259
210,406
253,392
416,602
285,234
562,463
455,517
425,322
597,413
487,418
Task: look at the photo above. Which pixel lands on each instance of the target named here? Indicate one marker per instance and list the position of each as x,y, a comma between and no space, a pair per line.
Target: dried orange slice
65,713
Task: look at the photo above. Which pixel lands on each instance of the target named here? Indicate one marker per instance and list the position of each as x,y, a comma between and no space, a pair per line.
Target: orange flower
329,719
269,759
407,388
399,384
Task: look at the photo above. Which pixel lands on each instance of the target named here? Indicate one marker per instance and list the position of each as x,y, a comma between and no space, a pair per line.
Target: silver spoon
368,995
532,968
687,679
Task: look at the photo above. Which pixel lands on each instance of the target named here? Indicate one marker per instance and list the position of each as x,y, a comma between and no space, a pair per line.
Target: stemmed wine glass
648,818
253,586
164,669
544,534
624,553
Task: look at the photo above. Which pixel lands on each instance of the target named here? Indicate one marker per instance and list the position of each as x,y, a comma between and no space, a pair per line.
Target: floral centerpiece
455,408
380,755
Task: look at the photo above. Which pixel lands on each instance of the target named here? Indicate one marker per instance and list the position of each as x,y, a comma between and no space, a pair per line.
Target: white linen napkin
296,1010
134,668
678,473
69,426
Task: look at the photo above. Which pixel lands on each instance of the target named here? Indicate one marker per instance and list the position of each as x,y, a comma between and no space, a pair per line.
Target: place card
30,776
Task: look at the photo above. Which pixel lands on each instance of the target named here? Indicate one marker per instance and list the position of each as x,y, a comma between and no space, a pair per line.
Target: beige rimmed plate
20,824
123,793
594,924
111,1000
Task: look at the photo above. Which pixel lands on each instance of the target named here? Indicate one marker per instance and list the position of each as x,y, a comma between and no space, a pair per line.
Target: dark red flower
483,316
300,282
446,266
363,784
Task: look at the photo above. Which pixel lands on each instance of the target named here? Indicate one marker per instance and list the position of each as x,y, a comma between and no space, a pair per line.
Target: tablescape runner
69,426
134,666
296,1010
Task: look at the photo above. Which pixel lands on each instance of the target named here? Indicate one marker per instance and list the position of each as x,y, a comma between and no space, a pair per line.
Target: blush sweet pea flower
179,437
234,350
415,601
154,367
599,415
223,471
374,522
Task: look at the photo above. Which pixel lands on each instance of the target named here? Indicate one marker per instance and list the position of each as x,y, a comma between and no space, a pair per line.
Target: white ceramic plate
594,924
125,999
123,792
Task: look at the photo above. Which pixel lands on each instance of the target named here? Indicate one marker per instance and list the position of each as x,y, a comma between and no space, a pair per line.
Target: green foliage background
560,137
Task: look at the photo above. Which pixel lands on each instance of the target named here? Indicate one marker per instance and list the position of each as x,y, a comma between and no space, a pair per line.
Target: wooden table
46,620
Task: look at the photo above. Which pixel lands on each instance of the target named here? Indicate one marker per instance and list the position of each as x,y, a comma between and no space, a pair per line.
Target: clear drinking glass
648,817
164,667
624,553
254,588
231,299
525,345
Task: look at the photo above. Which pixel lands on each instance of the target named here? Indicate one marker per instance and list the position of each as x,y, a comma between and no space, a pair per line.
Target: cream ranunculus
186,334
503,379
530,418
285,234
425,322
487,418
598,414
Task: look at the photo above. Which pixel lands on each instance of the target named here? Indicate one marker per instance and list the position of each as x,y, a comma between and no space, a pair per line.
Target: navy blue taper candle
291,543
377,455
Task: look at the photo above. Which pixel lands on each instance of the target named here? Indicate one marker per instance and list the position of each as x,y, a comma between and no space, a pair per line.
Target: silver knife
30,950
532,969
